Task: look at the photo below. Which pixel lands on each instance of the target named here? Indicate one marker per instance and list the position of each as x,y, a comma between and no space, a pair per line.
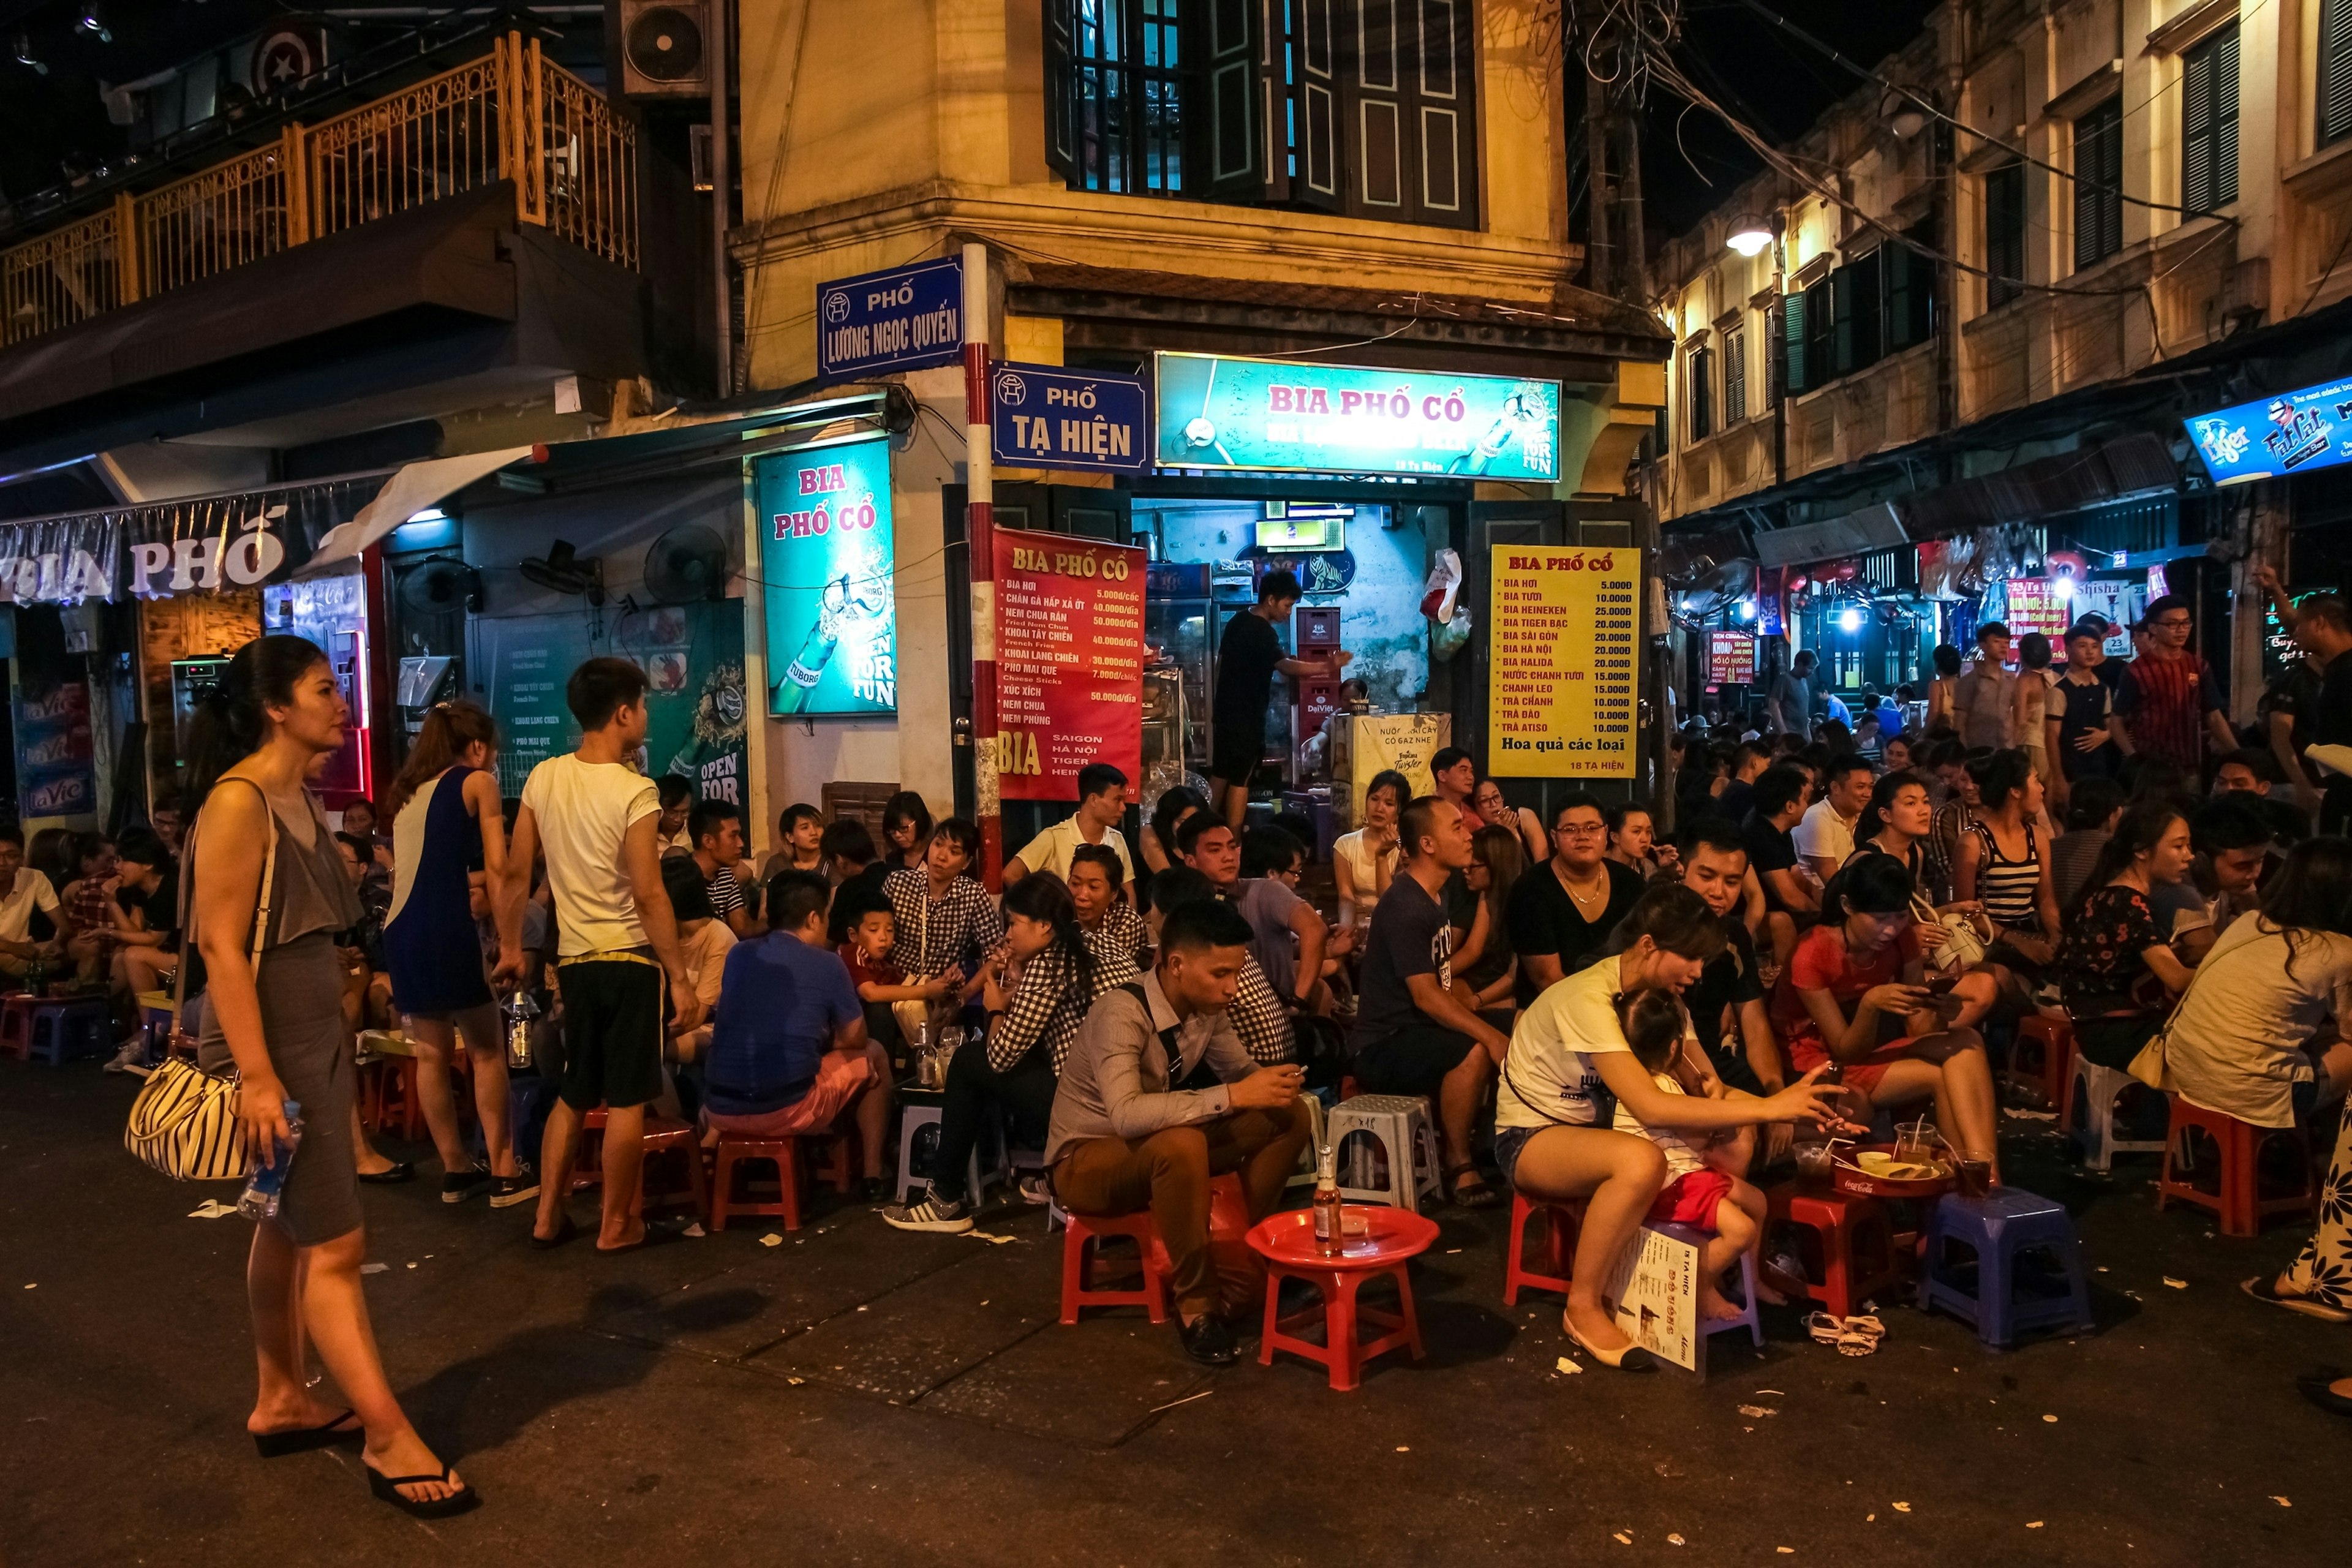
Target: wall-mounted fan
686,565
441,586
566,571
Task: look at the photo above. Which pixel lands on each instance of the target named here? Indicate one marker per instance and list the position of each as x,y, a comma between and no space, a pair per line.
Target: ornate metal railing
511,115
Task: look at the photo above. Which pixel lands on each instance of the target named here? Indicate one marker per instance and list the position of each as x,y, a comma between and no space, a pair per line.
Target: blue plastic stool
1747,1318
63,1029
2001,1227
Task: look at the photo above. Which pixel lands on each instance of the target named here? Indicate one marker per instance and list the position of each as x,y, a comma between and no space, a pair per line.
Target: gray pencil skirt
302,987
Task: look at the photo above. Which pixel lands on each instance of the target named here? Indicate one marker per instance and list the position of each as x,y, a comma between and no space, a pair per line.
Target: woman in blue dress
446,821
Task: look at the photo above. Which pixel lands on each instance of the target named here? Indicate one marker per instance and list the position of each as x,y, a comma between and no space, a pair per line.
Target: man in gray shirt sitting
1158,1096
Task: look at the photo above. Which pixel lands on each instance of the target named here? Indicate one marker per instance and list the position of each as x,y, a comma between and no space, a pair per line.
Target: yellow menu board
1562,671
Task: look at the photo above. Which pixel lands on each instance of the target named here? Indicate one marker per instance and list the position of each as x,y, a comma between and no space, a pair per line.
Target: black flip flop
463,1499
1485,1195
565,1232
2315,1387
303,1440
2264,1288
398,1172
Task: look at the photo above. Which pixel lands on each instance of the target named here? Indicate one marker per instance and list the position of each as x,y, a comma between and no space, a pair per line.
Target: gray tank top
310,891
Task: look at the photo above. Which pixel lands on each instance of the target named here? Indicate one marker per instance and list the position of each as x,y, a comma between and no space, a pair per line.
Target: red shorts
1691,1199
1805,1054
840,1078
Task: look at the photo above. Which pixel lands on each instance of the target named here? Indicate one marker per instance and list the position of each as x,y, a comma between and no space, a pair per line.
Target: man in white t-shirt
1102,806
1825,833
27,891
597,818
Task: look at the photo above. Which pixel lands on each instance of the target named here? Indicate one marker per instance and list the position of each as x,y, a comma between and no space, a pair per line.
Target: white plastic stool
1747,1318
1305,1175
2102,1086
1400,1124
914,1118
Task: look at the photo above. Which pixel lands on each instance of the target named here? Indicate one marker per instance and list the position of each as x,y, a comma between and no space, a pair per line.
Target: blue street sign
905,319
1045,417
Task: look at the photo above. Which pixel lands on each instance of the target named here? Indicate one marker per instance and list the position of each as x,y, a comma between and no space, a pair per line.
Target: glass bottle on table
1330,1223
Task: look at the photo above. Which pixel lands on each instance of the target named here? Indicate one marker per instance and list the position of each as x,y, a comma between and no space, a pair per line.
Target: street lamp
1749,235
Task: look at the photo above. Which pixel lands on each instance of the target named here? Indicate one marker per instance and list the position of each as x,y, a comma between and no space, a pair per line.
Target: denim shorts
1508,1142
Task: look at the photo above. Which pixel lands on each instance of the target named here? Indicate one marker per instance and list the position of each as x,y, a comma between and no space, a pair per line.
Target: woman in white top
2257,1035
1569,1059
1364,862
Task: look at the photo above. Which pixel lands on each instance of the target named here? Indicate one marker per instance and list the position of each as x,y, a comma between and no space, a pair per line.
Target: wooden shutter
1060,90
1377,127
1316,38
1821,336
1232,45
1790,345
2098,184
2004,207
1735,378
1444,131
2335,70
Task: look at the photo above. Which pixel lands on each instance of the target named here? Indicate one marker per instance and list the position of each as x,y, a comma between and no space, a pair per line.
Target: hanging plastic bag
1437,600
1450,638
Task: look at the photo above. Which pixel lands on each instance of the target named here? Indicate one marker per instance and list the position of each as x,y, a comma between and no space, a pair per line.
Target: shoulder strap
188,899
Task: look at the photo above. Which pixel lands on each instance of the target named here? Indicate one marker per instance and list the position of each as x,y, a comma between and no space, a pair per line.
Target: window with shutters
2004,254
2335,72
1795,361
1776,352
1857,337
2209,122
2099,182
1363,107
1735,377
1699,391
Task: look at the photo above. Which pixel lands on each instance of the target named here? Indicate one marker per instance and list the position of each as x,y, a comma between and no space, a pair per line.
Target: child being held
895,1010
1698,1192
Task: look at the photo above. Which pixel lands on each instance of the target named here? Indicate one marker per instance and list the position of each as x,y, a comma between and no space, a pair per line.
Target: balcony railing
511,115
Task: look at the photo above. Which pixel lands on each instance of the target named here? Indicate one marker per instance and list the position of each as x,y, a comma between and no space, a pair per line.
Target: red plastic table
1390,1238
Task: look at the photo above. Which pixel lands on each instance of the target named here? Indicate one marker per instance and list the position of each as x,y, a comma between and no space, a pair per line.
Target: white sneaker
131,1058
931,1213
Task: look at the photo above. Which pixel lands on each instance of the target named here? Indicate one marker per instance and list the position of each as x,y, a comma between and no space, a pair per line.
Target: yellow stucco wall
879,132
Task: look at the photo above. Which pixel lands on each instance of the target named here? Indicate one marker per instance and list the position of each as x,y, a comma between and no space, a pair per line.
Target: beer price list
1069,661
1563,672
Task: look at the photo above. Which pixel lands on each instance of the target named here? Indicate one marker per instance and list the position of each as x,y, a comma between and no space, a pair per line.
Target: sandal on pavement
303,1440
388,1488
1633,1358
564,1233
2264,1288
2318,1388
1474,1194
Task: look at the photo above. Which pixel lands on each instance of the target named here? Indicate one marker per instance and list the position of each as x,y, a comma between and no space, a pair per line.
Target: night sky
1689,160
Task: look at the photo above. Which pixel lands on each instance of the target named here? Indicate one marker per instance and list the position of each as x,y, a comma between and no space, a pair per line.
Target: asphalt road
853,1396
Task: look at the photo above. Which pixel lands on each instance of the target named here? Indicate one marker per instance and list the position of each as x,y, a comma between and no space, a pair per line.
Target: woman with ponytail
1038,985
269,894
446,822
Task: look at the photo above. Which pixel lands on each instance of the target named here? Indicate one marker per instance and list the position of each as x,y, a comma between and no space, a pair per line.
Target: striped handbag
185,1124
185,1121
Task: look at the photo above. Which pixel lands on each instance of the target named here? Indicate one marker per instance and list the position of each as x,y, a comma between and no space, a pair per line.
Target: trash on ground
772,1239
2176,1284
1903,1508
212,1208
1567,1365
695,1230
374,1267
989,1236
2280,1502
1620,1538
1186,1400
1753,1411
1677,1540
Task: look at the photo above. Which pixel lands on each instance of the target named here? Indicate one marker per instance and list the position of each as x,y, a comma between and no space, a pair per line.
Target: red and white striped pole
981,555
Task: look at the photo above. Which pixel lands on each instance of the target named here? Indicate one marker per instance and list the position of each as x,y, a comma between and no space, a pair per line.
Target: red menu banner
1730,659
2036,605
1069,662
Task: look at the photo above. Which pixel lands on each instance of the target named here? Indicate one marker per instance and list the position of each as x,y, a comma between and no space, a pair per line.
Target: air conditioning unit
665,48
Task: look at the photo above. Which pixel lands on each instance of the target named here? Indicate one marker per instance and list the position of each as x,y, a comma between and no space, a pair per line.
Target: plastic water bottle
520,1012
259,1200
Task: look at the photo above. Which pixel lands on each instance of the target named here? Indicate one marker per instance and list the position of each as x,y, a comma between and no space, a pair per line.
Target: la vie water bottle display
269,1181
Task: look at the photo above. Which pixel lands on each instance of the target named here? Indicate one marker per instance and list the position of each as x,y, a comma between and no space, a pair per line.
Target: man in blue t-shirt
788,1047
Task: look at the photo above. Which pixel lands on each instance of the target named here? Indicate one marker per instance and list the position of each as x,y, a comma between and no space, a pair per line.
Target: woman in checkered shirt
1038,986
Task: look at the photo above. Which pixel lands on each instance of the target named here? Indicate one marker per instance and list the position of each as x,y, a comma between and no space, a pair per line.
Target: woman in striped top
2000,861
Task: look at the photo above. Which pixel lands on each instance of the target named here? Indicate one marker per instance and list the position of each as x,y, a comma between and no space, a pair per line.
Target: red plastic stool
2054,1068
2240,1202
735,1152
1228,1222
393,1103
1859,1257
664,1137
17,1023
1562,1221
